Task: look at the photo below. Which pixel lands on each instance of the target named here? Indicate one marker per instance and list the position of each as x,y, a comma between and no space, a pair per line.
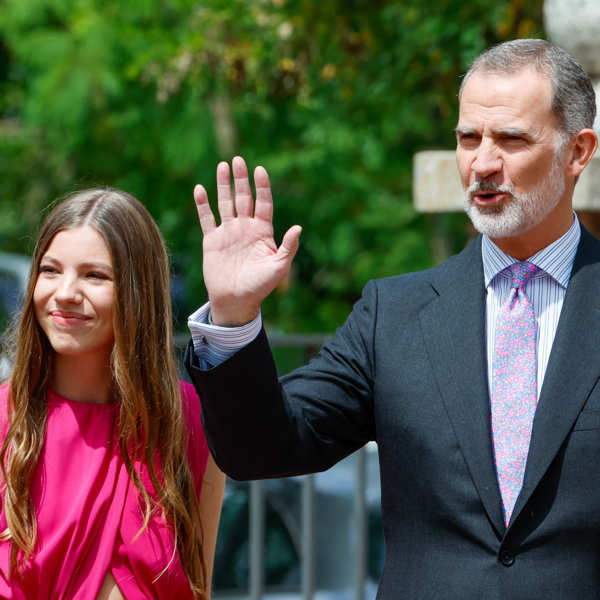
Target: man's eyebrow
459,130
513,131
504,131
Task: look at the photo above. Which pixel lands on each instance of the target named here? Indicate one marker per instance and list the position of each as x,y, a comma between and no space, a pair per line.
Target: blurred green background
333,97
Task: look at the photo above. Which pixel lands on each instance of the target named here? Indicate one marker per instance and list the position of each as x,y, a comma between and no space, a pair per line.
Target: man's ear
581,149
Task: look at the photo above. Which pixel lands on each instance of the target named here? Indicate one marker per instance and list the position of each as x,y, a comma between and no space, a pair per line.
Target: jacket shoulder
422,284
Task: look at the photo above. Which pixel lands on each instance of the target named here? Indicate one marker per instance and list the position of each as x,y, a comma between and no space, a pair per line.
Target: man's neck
537,238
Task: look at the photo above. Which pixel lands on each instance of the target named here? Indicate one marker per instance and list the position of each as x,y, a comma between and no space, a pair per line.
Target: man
478,379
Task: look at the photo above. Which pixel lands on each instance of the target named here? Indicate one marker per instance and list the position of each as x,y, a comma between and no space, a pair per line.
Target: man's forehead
520,96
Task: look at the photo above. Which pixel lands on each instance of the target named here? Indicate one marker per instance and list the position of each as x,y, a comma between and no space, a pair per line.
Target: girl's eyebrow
85,265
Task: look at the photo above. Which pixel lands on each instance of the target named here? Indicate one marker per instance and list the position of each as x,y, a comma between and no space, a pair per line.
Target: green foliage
333,98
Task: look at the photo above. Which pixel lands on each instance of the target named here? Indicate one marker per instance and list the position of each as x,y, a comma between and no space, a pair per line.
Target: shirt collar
555,260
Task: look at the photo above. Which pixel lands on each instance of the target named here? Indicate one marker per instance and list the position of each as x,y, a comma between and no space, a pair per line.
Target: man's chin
495,224
495,209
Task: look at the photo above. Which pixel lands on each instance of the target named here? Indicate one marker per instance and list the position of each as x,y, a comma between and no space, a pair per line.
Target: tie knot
521,273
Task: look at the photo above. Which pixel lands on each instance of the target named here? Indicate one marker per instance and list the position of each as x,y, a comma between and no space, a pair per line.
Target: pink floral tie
514,387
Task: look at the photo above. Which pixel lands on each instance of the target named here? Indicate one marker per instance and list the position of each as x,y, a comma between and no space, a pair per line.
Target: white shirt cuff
213,345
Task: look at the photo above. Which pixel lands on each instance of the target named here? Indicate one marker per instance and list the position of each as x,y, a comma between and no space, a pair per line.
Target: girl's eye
47,269
96,275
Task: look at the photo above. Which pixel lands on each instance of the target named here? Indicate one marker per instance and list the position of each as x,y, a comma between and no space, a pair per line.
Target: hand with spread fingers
242,264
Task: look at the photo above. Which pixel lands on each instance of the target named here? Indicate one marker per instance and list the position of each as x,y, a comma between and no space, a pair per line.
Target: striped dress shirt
213,345
546,290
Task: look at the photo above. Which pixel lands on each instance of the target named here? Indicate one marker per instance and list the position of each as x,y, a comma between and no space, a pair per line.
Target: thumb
289,245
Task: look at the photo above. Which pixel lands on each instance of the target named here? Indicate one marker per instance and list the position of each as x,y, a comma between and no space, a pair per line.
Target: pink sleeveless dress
88,511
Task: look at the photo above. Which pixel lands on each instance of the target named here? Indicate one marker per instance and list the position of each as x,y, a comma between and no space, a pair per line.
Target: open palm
242,263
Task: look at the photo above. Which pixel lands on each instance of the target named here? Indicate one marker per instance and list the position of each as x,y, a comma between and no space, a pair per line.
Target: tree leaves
333,98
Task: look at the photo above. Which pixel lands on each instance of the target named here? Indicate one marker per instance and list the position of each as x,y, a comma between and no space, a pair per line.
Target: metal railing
309,344
308,574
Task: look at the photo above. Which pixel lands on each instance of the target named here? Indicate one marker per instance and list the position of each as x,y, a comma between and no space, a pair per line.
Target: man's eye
514,139
468,138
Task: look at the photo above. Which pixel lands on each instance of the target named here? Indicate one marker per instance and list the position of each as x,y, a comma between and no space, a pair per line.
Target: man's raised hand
242,264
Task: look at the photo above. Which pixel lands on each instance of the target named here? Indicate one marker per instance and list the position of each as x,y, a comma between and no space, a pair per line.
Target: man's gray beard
521,212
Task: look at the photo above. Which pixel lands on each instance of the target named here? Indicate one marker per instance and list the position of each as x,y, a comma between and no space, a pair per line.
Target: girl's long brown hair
145,380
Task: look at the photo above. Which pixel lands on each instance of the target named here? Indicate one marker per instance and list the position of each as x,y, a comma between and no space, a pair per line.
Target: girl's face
74,293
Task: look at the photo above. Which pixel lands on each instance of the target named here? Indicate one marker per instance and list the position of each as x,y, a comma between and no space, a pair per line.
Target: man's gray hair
573,97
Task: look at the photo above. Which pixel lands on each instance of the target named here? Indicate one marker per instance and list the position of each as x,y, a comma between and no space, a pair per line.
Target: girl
109,489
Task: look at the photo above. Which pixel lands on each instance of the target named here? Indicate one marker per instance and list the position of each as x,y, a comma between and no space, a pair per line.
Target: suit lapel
453,325
571,372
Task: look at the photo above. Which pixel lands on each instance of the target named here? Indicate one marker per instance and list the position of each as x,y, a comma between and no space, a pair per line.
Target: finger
205,214
243,193
224,198
264,199
289,245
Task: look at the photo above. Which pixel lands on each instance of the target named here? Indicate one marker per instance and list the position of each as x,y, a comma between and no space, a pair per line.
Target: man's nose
487,162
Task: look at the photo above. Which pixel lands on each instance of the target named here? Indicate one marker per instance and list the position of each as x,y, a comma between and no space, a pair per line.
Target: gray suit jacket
408,369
